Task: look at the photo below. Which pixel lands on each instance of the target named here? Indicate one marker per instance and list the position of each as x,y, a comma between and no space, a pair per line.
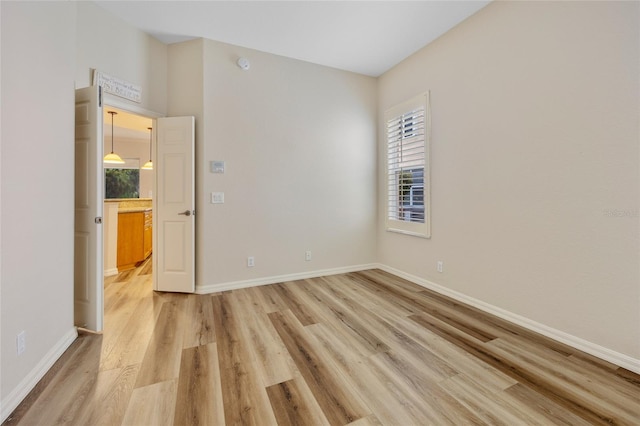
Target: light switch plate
217,198
217,166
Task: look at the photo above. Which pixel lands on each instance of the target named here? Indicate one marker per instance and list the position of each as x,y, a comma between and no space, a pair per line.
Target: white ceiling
126,126
366,37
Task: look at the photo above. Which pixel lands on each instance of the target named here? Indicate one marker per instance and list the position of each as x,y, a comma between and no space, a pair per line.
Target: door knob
186,213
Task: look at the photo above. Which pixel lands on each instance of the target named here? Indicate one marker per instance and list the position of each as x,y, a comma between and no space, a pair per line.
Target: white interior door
88,274
174,208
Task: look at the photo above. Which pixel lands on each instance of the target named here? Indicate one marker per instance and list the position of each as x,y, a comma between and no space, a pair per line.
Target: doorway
166,195
168,225
128,190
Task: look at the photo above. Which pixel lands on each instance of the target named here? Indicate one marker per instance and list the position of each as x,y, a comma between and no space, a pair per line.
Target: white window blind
407,203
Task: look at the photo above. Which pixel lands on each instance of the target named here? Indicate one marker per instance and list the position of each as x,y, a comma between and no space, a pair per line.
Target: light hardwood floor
363,348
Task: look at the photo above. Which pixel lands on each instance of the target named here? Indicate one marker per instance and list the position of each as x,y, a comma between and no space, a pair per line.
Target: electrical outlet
21,342
440,265
251,262
307,255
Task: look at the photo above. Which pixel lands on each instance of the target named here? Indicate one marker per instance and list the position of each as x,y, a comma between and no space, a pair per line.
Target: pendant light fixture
112,158
148,165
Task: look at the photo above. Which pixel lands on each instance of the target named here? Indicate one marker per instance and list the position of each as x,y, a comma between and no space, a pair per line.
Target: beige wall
185,93
112,46
47,51
299,144
38,57
185,97
534,155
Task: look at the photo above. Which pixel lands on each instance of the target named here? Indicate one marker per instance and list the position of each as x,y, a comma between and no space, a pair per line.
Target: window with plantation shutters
407,203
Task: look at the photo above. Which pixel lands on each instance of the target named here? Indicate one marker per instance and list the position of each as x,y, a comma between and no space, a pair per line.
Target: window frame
395,113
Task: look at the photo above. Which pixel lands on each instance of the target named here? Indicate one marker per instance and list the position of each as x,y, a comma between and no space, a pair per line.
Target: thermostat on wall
217,166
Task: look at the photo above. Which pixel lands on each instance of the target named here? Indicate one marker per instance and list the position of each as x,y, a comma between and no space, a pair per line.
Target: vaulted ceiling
366,37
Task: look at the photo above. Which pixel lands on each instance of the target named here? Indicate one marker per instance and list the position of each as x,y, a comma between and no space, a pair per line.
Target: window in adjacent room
408,201
122,181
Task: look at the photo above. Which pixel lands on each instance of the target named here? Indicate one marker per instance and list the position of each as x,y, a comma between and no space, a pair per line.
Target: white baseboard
598,351
110,272
31,380
234,285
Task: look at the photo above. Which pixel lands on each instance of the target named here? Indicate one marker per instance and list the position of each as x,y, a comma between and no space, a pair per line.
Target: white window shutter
407,208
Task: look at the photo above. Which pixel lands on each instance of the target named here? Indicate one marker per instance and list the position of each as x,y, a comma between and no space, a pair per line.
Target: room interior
128,242
534,167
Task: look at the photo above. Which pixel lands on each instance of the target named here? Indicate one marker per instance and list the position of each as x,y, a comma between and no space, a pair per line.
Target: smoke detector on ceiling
244,63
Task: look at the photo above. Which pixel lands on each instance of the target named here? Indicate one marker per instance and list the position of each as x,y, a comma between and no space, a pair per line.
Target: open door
88,274
174,208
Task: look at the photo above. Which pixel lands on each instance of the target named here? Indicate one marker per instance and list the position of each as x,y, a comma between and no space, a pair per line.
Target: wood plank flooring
363,348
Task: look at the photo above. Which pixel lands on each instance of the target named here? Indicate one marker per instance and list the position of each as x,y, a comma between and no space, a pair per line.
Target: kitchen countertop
134,209
127,200
131,205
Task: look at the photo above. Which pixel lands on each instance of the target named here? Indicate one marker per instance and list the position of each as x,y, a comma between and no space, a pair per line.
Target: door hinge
99,220
100,96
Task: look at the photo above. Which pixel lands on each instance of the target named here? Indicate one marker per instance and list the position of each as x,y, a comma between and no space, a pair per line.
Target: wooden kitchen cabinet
134,238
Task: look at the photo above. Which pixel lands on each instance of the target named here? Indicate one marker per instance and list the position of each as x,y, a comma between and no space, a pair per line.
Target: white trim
398,230
119,103
31,380
594,349
235,285
111,272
